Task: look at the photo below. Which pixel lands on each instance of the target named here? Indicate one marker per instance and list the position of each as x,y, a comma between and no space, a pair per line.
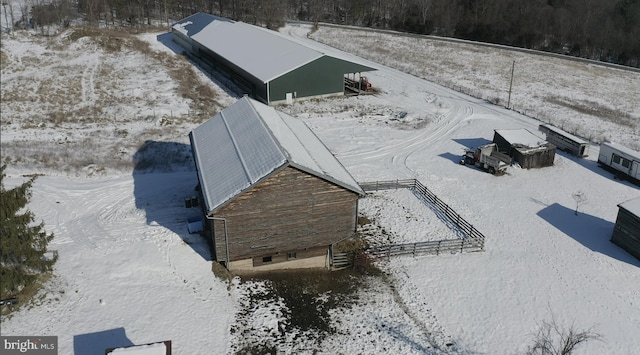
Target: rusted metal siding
291,210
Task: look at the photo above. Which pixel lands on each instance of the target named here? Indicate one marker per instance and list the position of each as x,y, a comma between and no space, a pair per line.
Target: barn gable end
289,212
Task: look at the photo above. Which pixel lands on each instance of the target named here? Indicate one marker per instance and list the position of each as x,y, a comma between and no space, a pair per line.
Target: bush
553,339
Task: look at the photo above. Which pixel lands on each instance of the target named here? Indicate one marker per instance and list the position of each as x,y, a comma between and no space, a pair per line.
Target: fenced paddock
470,239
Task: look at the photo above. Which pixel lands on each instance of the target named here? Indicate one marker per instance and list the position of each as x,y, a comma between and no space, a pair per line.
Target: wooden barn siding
289,211
626,233
538,159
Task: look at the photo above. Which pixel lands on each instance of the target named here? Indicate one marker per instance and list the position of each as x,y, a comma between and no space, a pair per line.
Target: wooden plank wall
536,159
291,210
626,233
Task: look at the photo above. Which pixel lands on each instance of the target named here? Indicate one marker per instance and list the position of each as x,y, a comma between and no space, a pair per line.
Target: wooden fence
388,185
471,240
341,261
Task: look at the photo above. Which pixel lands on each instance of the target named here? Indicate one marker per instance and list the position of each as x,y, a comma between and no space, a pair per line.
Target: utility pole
6,21
513,66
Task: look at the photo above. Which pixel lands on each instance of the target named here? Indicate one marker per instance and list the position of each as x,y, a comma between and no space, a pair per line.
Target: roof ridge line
235,146
312,156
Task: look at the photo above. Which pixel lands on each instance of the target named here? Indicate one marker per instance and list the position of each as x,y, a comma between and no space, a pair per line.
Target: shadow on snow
97,343
591,231
163,177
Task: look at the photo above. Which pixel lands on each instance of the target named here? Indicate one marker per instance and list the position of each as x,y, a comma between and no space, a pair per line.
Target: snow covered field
129,273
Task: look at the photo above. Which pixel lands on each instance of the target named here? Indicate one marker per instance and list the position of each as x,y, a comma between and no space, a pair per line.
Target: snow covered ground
129,273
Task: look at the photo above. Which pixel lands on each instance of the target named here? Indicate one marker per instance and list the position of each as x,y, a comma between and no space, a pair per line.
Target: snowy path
541,260
113,234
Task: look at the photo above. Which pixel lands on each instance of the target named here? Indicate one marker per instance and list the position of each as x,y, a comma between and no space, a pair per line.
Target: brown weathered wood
289,211
626,232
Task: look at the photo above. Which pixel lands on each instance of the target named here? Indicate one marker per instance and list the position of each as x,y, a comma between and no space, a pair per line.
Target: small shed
159,348
262,63
626,232
274,196
527,149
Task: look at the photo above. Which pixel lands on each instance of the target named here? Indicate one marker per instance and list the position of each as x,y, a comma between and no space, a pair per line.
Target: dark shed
626,232
527,149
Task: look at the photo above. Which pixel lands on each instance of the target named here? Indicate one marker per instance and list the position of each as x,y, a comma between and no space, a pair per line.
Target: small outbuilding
527,149
626,232
159,348
273,194
264,64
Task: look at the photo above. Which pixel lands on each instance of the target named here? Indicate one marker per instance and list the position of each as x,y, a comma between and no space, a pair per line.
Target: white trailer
565,141
620,159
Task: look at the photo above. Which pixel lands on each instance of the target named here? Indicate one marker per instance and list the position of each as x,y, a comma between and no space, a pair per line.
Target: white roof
522,137
149,349
564,133
249,141
263,53
619,147
632,206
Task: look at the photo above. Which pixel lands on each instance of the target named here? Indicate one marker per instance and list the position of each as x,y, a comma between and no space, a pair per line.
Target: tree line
607,30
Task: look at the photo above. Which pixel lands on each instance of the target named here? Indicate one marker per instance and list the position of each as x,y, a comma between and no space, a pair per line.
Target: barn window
266,259
291,255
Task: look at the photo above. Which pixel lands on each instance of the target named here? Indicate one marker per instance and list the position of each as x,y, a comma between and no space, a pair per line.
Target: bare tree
554,339
580,198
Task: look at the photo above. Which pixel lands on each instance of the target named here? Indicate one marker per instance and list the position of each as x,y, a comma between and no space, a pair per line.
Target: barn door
289,98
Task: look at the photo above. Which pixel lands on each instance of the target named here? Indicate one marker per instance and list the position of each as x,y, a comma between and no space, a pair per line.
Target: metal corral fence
471,239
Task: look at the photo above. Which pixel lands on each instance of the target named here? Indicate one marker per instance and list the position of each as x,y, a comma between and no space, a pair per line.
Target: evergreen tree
22,243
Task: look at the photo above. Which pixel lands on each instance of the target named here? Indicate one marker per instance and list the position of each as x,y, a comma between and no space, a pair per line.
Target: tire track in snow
88,81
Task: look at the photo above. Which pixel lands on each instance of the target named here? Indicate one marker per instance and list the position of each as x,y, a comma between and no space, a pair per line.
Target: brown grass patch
596,110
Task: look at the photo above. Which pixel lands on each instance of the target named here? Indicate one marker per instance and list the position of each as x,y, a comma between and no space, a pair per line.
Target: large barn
527,149
262,63
274,196
626,232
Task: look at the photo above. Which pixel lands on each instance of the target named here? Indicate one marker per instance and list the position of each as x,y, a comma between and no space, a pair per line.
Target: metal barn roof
249,141
263,53
196,22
